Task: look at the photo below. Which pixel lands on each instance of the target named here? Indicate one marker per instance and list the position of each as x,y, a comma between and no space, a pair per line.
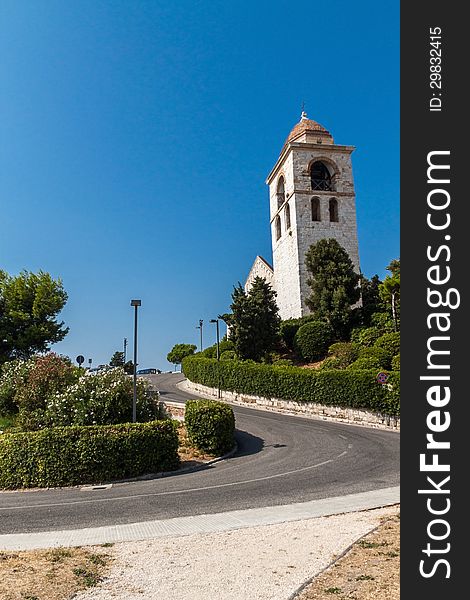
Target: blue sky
136,138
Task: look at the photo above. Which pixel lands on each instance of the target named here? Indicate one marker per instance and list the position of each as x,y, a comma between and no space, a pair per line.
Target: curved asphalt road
281,460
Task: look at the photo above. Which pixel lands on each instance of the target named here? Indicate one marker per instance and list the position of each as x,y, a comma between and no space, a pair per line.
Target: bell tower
311,195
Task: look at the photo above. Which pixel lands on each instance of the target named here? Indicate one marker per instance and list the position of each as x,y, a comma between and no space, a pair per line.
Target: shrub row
210,425
62,456
346,388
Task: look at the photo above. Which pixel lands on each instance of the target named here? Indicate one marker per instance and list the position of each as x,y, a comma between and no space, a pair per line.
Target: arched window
277,227
287,217
281,192
315,202
320,177
334,217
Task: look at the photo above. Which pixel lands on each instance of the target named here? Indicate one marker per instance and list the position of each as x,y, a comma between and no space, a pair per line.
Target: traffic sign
382,377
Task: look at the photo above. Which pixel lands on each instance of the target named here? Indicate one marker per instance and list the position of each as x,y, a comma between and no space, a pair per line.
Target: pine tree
334,285
255,321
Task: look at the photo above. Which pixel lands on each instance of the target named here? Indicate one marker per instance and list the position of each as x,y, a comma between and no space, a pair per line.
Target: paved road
281,460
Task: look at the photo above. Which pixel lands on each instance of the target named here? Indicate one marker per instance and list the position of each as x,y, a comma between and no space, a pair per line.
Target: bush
366,362
209,352
228,355
13,375
390,343
26,384
383,322
348,388
365,336
379,355
101,398
75,455
396,362
345,353
283,362
289,328
210,425
332,363
226,346
312,340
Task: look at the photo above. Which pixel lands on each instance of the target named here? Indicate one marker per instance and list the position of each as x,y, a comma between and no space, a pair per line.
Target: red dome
307,125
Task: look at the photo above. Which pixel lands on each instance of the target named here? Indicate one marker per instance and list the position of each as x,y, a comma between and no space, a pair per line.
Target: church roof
307,125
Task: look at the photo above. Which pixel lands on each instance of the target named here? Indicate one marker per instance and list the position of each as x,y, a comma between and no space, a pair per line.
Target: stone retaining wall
172,410
308,409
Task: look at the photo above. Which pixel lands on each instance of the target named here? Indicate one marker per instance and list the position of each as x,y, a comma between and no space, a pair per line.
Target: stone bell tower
311,194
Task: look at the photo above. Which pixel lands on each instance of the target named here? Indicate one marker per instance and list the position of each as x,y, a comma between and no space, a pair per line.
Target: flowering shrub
48,391
47,375
101,398
13,376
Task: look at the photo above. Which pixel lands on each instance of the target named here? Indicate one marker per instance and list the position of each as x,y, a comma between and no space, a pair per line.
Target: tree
117,359
334,284
371,300
255,321
179,351
389,291
29,305
129,367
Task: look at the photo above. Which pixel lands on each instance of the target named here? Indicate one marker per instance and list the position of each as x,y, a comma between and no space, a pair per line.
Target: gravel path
260,563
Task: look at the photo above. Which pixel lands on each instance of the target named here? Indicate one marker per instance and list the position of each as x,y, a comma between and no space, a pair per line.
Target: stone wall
307,409
172,410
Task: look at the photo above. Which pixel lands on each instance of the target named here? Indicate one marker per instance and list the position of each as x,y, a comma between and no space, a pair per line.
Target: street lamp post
135,304
201,322
216,321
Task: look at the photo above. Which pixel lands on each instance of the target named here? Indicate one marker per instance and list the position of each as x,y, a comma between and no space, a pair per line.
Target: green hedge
62,456
210,425
347,388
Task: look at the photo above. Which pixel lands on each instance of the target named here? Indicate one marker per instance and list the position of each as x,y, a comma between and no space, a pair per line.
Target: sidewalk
266,562
217,522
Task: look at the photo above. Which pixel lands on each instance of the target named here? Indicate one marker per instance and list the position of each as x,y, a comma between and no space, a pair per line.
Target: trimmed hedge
396,362
210,425
347,388
62,456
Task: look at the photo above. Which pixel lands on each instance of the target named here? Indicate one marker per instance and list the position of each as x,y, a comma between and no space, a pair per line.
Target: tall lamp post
216,321
201,322
135,304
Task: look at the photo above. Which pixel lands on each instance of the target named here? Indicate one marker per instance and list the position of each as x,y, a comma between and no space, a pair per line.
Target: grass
55,574
58,554
367,544
369,571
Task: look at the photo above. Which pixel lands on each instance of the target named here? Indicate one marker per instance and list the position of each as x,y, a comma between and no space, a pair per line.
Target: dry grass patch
189,455
370,570
55,574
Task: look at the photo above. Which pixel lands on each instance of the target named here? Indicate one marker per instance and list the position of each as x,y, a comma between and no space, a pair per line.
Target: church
311,197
